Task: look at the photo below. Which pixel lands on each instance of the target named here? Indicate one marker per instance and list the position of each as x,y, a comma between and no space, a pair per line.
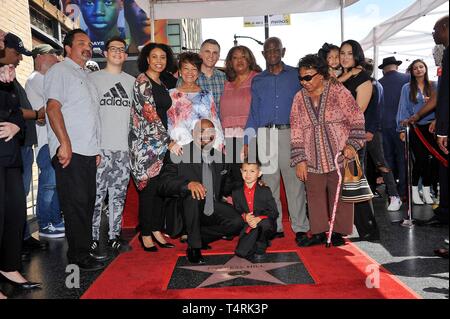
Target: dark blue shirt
373,112
272,97
392,83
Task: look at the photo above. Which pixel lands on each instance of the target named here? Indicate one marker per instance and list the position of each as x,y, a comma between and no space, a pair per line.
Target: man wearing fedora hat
392,83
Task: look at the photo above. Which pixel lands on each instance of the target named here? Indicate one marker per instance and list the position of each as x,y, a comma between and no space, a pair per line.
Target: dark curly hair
248,54
192,58
313,61
325,49
145,53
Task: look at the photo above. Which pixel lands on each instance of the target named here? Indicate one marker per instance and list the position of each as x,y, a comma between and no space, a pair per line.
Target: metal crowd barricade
408,222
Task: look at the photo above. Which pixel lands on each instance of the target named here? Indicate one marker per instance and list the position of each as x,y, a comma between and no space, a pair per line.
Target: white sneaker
427,195
415,196
395,204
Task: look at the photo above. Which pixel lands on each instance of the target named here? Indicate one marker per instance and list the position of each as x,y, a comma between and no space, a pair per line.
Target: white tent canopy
177,9
197,9
407,35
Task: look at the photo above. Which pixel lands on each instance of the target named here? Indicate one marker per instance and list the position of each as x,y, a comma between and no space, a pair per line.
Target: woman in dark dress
359,83
149,141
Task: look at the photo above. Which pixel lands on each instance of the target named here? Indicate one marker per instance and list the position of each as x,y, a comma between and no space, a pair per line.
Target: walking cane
336,200
409,221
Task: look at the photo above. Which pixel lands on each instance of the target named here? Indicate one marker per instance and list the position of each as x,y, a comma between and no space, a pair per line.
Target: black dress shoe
149,249
27,285
316,239
301,239
229,238
337,239
162,245
279,234
433,221
194,256
206,247
443,253
89,264
375,236
34,244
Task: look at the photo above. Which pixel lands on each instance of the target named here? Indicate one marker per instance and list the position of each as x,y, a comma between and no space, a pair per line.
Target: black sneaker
316,239
97,253
119,245
89,264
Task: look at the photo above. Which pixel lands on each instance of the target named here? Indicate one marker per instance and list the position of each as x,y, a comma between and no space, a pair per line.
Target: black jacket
264,203
175,177
10,155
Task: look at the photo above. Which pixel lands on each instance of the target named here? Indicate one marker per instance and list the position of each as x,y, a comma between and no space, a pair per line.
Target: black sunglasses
307,78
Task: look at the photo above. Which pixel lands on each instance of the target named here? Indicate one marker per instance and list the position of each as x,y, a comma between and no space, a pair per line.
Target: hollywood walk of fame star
239,267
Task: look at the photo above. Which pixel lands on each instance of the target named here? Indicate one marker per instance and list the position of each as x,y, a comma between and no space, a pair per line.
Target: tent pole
342,20
152,20
375,54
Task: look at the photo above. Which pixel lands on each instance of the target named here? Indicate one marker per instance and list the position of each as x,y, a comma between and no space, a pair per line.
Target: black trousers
256,240
76,186
12,217
202,229
364,219
151,214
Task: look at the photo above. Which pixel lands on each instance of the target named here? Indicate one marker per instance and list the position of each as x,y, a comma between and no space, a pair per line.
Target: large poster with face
103,19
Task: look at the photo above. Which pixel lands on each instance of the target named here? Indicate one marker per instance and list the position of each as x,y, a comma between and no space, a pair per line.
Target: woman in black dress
359,83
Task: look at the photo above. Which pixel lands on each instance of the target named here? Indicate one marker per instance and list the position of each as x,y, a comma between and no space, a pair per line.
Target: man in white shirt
48,211
73,139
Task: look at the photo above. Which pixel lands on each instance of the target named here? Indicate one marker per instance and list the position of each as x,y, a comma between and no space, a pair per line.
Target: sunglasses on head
307,78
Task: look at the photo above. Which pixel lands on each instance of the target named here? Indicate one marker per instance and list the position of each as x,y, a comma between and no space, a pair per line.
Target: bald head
273,52
440,31
204,133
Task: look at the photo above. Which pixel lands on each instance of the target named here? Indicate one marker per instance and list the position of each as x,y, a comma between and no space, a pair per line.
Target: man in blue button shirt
273,92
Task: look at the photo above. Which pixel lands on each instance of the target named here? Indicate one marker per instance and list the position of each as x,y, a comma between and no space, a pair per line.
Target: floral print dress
148,139
186,110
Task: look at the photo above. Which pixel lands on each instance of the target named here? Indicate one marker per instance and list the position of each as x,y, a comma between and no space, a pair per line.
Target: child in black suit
259,212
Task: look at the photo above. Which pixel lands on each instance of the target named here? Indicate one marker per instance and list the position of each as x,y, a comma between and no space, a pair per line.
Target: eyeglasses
307,78
117,50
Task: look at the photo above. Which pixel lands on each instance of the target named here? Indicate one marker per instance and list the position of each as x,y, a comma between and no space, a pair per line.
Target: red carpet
338,273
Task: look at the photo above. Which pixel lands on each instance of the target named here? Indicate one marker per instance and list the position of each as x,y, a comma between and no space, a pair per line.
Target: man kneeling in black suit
200,178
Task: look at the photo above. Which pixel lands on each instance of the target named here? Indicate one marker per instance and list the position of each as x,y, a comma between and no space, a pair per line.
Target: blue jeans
27,165
394,154
47,206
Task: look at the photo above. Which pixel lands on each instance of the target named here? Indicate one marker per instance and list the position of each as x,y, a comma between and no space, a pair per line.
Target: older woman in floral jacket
325,120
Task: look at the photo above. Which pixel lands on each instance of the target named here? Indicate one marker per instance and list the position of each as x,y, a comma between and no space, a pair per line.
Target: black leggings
12,217
425,165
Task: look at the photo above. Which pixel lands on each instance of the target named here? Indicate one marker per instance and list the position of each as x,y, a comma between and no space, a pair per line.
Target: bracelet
37,115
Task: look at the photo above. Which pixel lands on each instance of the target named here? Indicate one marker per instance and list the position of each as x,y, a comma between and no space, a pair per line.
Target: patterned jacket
318,134
148,139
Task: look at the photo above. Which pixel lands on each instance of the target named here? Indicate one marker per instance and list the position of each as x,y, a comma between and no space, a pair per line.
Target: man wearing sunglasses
273,92
115,91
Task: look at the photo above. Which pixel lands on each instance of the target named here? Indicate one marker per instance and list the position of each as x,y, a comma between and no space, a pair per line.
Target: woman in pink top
240,69
325,120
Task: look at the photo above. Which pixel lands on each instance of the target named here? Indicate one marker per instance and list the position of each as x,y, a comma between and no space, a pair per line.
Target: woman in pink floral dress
191,103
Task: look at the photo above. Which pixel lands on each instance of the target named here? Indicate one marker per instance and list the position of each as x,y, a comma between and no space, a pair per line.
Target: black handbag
355,188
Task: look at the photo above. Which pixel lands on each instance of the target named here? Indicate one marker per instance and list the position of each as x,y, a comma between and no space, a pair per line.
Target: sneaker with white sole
60,226
395,204
50,231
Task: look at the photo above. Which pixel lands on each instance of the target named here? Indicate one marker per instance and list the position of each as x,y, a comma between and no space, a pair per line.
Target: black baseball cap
14,42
